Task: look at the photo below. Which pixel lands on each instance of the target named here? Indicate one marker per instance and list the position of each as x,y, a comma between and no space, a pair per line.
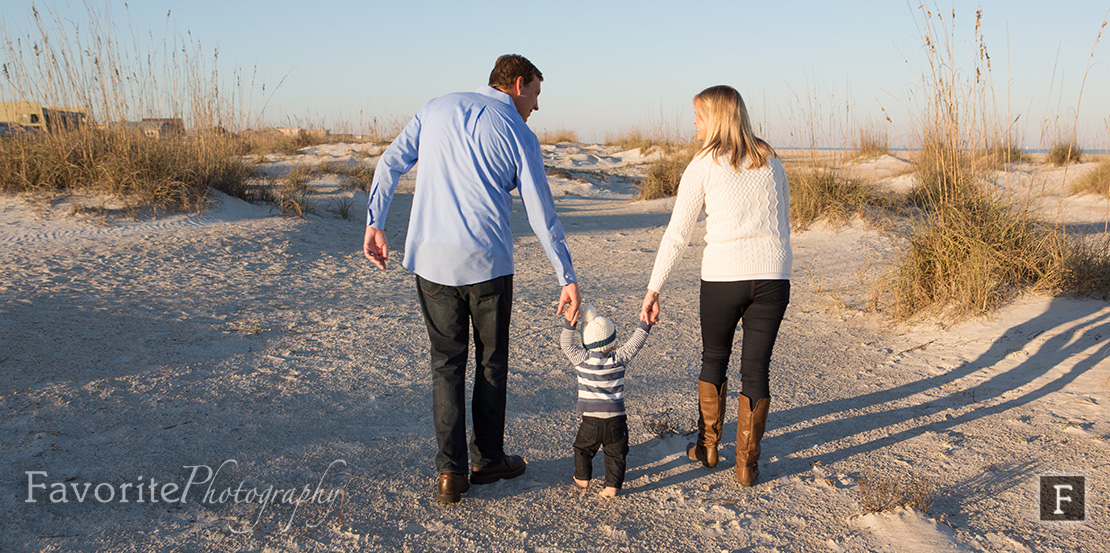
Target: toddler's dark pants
611,435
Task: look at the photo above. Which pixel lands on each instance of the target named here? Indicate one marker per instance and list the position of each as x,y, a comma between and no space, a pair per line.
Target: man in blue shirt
474,150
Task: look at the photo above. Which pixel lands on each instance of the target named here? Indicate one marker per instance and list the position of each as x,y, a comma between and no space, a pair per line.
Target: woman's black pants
758,306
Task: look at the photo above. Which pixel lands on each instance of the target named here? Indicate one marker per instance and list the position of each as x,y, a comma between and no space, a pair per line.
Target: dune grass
1095,182
266,141
884,491
871,143
144,173
557,136
638,138
670,139
1001,154
58,64
947,173
966,253
823,193
358,176
968,258
108,156
1063,153
664,174
1086,266
969,250
292,199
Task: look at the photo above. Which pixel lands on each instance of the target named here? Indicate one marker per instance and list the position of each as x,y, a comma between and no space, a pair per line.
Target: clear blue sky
614,65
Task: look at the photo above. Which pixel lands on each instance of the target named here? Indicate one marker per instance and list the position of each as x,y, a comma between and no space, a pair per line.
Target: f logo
1062,498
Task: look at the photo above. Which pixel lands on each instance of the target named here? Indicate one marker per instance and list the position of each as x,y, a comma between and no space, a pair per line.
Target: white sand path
136,350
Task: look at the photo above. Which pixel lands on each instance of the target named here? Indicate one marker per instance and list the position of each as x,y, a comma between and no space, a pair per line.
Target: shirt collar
497,95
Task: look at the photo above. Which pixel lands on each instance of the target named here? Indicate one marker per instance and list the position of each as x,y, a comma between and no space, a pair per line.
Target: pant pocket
617,437
588,434
772,292
487,289
428,287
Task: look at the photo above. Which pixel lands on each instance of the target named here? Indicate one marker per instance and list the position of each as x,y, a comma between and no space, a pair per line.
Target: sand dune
154,349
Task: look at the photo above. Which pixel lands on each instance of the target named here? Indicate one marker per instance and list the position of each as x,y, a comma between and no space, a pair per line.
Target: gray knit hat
598,333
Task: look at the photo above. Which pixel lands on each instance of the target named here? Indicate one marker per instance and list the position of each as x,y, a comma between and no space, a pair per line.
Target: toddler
600,367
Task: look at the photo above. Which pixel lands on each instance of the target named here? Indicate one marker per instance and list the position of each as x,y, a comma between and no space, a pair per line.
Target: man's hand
649,313
569,300
375,246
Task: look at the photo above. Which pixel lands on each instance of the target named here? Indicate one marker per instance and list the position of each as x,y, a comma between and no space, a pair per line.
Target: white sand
136,349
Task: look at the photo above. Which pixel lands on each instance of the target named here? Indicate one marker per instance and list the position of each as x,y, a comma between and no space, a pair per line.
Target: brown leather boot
750,425
711,416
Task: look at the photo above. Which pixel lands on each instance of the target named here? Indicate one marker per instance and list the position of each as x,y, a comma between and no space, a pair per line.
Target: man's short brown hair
509,67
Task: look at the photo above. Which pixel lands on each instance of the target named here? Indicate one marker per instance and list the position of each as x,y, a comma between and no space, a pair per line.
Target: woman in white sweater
745,272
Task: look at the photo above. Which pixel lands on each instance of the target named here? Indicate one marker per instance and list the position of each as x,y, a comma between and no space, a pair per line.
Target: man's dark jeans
450,312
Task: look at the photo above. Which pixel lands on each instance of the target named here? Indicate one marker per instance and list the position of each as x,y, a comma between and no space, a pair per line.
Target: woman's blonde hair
729,135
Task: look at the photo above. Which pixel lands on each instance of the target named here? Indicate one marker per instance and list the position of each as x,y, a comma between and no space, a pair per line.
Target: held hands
649,313
375,247
569,301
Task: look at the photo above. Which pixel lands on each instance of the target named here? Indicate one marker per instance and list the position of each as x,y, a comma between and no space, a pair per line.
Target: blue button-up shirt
474,150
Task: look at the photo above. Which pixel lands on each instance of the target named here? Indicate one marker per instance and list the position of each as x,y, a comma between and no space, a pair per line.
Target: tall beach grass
1064,153
557,136
828,194
1097,181
871,143
969,249
79,60
658,135
142,172
664,174
673,147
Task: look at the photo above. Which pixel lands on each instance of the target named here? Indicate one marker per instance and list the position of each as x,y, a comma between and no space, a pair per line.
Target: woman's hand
649,313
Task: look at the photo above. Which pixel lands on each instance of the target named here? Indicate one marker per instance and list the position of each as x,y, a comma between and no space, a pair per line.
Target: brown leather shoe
510,466
451,486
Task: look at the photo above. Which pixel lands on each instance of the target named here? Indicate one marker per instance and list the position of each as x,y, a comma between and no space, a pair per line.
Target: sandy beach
243,381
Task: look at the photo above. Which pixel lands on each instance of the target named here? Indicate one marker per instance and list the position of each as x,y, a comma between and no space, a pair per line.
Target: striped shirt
601,375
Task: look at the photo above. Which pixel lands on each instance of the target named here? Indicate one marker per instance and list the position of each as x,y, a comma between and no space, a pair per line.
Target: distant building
165,127
32,115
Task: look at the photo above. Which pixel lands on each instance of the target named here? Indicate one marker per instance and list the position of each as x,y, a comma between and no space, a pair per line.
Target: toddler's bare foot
609,491
582,483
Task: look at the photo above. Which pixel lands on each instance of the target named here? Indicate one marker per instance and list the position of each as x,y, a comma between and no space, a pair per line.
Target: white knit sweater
747,222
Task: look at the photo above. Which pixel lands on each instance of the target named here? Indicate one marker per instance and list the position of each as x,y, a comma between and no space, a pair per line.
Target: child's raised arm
632,346
572,344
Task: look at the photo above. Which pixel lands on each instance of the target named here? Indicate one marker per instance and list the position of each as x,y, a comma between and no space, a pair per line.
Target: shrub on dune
1064,153
1095,182
663,176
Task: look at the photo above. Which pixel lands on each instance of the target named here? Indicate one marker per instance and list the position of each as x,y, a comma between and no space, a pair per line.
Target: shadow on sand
836,429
